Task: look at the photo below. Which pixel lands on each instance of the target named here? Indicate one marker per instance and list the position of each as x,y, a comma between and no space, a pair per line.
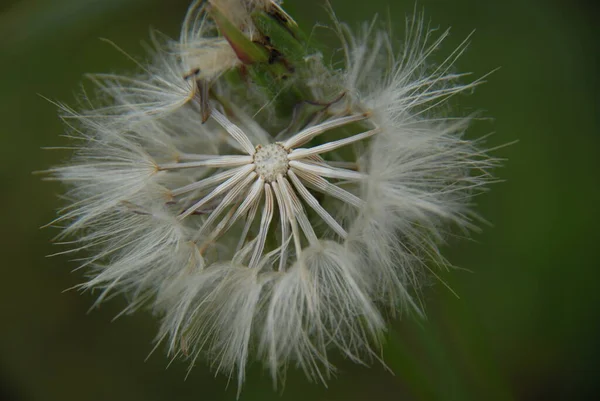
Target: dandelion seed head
255,241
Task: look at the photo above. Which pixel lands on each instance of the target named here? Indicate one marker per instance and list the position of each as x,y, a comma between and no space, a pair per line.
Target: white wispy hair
279,246
422,171
178,72
322,301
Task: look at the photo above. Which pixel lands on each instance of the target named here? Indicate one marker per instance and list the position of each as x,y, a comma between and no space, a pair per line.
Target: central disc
270,161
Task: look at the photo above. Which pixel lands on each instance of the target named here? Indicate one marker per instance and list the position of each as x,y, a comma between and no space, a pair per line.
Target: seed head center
270,161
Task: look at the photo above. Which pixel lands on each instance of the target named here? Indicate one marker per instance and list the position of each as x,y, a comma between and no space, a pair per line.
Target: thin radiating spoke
218,231
194,156
317,159
289,212
249,220
309,133
227,200
252,198
226,186
340,164
285,228
265,221
206,183
234,131
327,147
297,209
314,204
330,172
324,186
216,161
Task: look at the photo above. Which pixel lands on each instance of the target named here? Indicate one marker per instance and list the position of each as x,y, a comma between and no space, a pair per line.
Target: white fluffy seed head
284,250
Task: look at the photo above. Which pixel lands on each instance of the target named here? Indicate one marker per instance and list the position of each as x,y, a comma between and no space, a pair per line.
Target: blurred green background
526,325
